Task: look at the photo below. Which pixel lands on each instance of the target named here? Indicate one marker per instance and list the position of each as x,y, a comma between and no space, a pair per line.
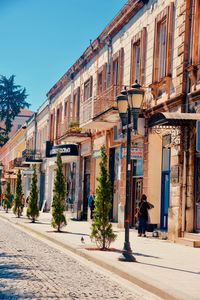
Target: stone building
157,43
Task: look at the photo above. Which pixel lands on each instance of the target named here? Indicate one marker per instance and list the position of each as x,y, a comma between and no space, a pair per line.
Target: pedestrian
91,204
144,206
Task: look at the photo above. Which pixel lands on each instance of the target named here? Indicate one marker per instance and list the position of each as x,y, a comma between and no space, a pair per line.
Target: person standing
144,206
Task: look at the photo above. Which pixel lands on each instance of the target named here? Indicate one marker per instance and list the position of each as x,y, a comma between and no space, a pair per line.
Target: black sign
65,150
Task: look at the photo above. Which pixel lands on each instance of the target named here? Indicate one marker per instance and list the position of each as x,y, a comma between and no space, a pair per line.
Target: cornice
129,10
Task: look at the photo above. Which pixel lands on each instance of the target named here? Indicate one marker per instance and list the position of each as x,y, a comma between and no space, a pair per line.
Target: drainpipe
184,184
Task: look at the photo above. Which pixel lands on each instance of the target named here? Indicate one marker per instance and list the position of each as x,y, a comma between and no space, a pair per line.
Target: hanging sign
136,153
65,150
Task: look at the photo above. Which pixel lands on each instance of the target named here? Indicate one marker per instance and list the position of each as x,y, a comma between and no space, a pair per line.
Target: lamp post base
127,256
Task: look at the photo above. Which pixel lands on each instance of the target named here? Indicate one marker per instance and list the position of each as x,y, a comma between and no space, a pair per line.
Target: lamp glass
122,103
135,98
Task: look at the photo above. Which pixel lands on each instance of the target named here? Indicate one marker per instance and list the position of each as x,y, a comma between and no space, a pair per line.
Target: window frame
167,16
140,39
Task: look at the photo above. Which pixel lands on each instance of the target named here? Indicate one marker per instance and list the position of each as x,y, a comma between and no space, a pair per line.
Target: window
162,50
138,53
88,89
163,44
116,76
100,83
76,105
52,127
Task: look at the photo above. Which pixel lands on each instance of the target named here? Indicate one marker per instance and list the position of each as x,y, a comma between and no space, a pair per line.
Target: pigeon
82,239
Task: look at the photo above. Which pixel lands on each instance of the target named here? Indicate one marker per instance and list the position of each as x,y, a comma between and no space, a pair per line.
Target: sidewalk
169,270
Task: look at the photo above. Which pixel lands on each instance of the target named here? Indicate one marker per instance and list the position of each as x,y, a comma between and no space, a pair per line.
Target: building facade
156,43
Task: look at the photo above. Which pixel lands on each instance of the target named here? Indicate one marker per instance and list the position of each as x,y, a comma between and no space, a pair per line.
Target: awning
172,119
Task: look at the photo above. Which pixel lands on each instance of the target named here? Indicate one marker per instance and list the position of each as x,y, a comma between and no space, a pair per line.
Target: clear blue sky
41,39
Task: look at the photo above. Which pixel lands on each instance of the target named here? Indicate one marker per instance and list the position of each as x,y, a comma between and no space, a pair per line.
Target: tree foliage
17,209
102,231
59,193
8,196
12,100
33,209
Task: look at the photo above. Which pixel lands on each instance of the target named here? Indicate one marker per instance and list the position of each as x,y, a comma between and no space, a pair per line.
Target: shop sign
65,150
136,153
27,172
96,154
198,136
85,149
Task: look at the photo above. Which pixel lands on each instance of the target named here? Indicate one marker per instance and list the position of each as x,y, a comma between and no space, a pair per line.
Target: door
86,187
42,189
197,196
164,199
112,176
136,189
165,182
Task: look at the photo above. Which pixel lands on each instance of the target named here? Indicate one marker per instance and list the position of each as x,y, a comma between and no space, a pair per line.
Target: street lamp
129,102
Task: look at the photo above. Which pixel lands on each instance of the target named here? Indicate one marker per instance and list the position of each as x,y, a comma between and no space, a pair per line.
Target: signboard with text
65,150
136,153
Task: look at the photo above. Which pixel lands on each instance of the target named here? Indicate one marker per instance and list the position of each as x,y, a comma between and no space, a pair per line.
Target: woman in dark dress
143,215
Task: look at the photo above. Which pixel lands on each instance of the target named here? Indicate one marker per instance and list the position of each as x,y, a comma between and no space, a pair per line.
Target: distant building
19,120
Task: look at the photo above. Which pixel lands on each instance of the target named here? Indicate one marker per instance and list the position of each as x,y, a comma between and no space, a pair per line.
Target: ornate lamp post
129,103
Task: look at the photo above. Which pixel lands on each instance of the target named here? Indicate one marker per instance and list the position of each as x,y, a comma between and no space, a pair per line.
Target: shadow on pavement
170,268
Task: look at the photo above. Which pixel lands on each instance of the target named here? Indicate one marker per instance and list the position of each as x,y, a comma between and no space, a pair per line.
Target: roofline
129,10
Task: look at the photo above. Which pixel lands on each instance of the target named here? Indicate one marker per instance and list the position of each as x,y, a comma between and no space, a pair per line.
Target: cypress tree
8,196
59,193
33,209
17,209
102,231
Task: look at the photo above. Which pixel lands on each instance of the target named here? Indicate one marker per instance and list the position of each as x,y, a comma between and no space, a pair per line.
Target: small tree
8,196
102,231
33,209
59,193
17,209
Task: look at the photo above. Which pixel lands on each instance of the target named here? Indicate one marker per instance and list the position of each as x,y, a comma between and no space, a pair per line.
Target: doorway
165,182
136,189
197,196
86,187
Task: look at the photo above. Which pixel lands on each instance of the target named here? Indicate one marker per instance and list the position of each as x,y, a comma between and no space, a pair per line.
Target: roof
172,118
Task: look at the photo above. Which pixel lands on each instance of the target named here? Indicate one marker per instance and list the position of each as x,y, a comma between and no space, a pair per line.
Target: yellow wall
154,176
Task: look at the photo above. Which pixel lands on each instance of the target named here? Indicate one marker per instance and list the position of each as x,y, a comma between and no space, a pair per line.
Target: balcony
31,157
16,163
71,132
101,113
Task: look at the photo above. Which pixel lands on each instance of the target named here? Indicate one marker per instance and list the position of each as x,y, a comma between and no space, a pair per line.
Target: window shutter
169,38
143,42
91,85
121,67
78,103
104,77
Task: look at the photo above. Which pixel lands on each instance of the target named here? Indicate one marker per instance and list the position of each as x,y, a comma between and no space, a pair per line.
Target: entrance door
165,182
86,188
197,196
164,199
136,188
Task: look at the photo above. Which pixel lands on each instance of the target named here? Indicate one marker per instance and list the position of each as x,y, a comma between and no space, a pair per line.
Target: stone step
188,242
192,236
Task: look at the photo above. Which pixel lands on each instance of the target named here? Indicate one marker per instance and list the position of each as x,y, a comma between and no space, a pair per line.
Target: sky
41,39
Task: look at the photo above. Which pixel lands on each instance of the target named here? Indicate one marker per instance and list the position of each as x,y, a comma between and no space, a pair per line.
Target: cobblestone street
31,269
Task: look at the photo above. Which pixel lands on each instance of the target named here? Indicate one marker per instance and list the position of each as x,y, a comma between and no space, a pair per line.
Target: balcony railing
86,112
16,163
105,100
31,156
70,127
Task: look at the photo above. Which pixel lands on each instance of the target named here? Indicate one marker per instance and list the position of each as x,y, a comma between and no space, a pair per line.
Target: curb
141,283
